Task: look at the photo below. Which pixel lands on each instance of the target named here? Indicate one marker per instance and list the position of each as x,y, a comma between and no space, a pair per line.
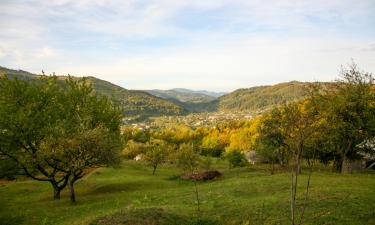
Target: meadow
130,194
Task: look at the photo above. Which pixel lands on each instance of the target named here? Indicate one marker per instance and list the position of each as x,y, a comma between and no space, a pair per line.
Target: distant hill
136,103
209,93
262,97
246,99
185,95
180,101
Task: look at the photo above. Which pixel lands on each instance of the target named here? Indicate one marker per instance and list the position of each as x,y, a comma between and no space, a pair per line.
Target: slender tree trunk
294,194
272,167
71,187
72,192
291,198
280,157
295,172
197,195
310,164
153,172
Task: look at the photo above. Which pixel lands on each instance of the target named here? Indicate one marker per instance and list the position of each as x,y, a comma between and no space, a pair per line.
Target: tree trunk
72,192
153,172
292,198
337,164
272,167
56,193
280,158
295,172
56,190
197,196
58,186
299,168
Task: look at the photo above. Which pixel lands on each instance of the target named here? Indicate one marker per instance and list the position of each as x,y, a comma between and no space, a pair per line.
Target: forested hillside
181,101
137,103
245,99
262,97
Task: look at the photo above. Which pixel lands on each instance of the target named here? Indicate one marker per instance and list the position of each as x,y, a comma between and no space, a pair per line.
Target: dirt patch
202,176
4,182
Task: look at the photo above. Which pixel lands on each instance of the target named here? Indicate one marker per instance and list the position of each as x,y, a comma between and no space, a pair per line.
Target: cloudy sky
216,45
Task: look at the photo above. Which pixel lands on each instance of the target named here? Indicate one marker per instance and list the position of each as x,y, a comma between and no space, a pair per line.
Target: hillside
253,99
246,99
180,101
136,103
261,97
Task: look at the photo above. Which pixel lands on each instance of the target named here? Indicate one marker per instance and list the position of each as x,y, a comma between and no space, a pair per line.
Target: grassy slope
234,199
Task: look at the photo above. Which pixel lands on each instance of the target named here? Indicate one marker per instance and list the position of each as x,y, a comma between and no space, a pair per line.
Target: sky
216,45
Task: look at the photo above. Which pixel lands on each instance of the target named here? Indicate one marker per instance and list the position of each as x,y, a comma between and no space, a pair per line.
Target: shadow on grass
151,216
123,187
11,220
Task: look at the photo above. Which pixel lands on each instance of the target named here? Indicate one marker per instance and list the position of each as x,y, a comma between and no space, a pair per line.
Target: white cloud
46,53
254,42
254,61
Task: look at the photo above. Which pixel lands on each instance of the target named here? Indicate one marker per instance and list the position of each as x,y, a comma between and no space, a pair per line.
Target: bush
215,152
133,149
188,158
206,163
236,159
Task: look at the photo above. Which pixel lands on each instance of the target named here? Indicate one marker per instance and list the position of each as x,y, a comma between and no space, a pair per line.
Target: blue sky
218,45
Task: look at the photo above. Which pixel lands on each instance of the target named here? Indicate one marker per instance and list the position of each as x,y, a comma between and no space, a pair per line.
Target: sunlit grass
242,196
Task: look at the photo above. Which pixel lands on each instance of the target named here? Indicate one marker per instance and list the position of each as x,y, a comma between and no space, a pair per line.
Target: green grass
242,196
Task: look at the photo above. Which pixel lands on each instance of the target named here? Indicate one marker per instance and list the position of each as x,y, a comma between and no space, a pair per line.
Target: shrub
236,159
215,152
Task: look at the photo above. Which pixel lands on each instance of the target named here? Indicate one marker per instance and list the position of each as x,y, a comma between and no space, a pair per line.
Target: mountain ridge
136,103
181,94
181,101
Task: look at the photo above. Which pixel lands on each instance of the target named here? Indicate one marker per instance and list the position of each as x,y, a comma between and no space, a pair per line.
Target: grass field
242,196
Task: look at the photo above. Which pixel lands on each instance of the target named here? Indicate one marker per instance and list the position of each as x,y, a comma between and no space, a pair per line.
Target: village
193,120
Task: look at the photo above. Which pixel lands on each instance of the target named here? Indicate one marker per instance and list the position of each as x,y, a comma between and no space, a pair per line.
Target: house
139,157
251,156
